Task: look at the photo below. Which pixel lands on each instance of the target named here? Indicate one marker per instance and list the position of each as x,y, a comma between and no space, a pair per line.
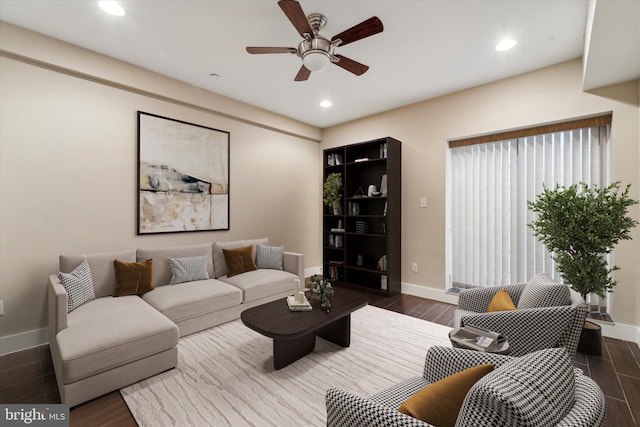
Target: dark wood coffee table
294,332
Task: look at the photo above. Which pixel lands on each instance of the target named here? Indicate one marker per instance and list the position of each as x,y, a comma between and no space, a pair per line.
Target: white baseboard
23,341
430,293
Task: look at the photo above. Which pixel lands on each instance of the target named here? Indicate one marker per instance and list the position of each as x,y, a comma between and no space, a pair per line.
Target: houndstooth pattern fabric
79,286
542,291
345,409
527,329
478,299
503,398
441,362
188,269
589,408
395,396
534,390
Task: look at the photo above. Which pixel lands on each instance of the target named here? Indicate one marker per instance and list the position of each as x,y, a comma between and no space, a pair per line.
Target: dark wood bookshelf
371,224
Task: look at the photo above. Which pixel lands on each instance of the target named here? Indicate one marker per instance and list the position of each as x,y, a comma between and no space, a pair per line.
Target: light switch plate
423,202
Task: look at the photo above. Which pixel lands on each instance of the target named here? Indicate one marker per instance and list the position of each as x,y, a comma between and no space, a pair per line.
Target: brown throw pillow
440,402
133,278
239,260
501,302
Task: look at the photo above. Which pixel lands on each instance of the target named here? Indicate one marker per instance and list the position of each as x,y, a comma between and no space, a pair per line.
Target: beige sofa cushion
192,299
219,264
110,332
101,265
262,283
160,257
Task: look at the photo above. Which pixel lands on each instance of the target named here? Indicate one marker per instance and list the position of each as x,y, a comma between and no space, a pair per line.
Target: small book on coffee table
298,306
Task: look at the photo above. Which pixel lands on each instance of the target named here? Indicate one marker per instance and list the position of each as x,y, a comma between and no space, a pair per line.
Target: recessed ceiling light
505,44
326,103
112,8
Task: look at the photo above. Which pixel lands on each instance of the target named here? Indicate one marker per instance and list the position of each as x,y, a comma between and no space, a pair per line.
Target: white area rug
225,375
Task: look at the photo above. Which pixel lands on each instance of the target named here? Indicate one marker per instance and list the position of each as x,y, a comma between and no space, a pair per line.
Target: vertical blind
491,183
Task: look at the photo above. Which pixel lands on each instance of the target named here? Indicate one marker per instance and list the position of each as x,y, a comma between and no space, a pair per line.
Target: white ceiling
428,48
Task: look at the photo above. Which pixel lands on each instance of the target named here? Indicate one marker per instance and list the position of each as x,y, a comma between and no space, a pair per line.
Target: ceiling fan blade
302,75
364,29
296,15
350,65
271,49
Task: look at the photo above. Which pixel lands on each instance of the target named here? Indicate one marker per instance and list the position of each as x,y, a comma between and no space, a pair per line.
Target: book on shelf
475,338
336,262
337,230
383,282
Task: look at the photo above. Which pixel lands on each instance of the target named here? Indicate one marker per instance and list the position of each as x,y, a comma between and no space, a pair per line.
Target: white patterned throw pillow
269,256
188,269
79,286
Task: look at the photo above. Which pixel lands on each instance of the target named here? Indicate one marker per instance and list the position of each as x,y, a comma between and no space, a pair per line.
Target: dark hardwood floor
27,376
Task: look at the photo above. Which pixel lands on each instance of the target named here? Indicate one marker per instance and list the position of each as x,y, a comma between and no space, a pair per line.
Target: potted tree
580,225
331,192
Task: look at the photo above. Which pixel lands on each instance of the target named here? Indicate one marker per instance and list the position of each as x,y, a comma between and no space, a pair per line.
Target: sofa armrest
294,263
478,299
442,362
57,306
527,330
348,409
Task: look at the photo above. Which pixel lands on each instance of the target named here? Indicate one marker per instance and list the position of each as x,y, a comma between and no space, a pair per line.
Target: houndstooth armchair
551,316
539,389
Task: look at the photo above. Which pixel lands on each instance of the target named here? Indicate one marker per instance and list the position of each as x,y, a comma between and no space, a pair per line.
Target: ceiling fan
316,51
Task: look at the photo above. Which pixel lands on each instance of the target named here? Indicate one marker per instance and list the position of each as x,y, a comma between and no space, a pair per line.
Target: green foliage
331,190
579,225
321,290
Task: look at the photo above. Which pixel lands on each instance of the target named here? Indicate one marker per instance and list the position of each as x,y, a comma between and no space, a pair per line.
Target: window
490,180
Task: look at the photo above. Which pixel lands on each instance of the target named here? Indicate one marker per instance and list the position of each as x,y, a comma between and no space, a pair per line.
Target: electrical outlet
1,308
423,202
414,267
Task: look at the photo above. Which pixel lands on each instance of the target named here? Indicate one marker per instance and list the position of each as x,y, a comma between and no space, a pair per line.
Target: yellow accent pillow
239,260
133,278
501,302
440,402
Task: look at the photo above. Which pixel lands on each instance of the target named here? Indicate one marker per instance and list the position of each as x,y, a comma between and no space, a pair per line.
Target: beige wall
546,95
68,141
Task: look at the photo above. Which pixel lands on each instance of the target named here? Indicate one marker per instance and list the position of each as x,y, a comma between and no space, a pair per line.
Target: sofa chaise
110,342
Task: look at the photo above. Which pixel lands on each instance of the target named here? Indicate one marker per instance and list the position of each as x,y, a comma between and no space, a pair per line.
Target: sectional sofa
112,341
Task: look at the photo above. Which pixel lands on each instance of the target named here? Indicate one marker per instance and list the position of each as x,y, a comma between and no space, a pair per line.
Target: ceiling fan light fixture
316,60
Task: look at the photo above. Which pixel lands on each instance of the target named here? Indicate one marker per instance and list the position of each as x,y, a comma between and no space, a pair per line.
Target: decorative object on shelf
359,260
372,189
354,208
579,225
331,192
334,159
383,282
383,185
362,226
321,290
184,192
382,263
359,192
383,150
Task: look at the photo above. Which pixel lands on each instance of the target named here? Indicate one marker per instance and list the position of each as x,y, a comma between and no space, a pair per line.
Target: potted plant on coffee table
580,225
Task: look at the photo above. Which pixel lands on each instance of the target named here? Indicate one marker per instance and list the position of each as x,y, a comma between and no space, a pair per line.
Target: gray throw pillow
537,389
188,269
542,291
79,286
269,256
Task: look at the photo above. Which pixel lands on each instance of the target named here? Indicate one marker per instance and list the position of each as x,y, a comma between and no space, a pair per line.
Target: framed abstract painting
183,176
